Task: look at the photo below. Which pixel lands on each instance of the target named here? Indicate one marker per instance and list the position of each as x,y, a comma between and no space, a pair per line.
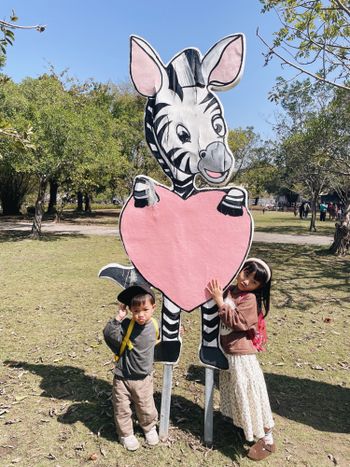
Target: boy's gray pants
140,392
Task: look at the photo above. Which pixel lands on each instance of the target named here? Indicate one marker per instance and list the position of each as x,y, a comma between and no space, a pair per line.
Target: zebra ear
146,68
224,63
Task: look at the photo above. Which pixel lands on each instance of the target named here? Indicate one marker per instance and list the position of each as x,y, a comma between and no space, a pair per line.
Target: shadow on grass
295,230
296,265
91,405
13,236
323,406
72,216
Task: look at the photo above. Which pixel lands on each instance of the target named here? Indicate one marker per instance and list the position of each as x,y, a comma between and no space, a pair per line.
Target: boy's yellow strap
156,327
127,342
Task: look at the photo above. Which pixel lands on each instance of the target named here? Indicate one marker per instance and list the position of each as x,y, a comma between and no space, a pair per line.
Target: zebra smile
214,174
213,177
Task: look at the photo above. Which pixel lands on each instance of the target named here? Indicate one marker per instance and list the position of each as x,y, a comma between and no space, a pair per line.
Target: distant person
323,211
133,341
332,211
243,392
340,213
335,211
301,210
306,209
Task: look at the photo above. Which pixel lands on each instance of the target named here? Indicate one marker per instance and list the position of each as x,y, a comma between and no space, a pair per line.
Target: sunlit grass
55,393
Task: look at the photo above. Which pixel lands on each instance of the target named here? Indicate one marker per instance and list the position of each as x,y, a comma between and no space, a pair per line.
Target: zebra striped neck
185,188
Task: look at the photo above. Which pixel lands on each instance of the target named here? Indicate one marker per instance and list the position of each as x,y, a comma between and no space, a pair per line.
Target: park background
71,142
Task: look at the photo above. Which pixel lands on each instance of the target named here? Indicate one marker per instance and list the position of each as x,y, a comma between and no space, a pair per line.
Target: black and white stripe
232,203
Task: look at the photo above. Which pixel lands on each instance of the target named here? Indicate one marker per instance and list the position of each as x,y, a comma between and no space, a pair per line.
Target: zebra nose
202,154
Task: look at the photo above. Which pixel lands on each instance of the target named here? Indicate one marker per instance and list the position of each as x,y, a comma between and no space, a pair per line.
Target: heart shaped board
180,245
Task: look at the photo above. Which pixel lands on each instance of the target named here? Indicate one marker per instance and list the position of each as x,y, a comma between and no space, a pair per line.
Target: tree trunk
87,203
36,227
80,201
52,208
314,200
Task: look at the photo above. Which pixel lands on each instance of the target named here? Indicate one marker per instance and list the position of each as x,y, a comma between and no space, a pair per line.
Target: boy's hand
215,290
123,311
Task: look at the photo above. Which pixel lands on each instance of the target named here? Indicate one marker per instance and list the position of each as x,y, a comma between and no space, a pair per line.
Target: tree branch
343,7
38,27
294,65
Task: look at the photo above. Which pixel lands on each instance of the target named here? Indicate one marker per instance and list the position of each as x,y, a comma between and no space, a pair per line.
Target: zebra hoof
213,357
140,203
229,210
167,352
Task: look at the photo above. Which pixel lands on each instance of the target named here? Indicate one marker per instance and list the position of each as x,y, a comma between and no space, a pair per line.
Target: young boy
133,380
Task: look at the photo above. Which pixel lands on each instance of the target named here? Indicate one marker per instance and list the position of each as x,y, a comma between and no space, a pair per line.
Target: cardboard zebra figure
178,238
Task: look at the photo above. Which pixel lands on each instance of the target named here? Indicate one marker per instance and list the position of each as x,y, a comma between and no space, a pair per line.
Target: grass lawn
55,407
286,223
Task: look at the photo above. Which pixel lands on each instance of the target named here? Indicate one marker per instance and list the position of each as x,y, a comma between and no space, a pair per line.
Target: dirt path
66,228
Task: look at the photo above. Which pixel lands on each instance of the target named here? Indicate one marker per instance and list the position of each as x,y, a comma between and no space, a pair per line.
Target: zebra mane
184,71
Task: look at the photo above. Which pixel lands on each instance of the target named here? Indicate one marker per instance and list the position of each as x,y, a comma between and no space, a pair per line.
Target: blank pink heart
179,245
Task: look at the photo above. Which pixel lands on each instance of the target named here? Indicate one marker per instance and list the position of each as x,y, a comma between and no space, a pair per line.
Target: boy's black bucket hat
128,294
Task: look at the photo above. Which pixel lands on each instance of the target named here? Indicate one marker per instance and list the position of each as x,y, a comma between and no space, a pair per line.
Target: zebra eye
183,134
219,125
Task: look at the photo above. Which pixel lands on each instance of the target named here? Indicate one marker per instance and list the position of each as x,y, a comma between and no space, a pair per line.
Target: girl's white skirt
243,396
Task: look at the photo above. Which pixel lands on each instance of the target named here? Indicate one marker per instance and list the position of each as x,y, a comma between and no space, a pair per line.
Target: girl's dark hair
262,294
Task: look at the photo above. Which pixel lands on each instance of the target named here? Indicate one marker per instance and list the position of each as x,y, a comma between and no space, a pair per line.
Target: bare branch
38,27
294,65
342,7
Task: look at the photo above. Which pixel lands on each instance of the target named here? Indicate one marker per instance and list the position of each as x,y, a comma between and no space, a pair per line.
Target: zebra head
184,120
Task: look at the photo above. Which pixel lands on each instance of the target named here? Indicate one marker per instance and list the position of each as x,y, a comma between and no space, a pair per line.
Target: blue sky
91,39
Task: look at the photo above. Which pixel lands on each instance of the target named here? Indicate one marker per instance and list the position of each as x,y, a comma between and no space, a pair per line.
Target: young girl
243,390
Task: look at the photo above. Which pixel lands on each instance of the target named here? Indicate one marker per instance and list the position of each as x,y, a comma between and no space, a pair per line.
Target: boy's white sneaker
130,442
152,437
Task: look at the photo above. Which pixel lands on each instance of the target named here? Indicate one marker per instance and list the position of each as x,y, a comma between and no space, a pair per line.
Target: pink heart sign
179,245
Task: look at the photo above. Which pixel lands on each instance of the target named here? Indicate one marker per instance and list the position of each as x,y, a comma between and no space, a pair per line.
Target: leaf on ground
52,412
93,457
317,367
13,421
333,459
181,419
80,446
20,398
103,451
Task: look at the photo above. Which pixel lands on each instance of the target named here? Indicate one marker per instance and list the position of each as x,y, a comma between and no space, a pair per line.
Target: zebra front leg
210,353
168,350
144,192
233,202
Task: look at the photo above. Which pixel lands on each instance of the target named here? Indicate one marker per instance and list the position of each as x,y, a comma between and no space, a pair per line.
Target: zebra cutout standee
178,238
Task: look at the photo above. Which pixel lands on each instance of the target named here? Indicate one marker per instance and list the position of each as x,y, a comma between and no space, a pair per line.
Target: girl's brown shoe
260,450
